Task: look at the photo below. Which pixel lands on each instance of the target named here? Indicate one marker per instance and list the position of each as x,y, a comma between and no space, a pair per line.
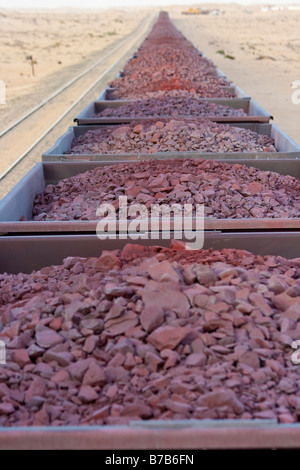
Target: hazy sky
113,3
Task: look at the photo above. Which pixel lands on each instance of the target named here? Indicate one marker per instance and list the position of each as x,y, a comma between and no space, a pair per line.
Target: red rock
276,366
102,413
112,290
189,275
201,300
225,294
293,312
177,245
20,356
267,414
171,358
276,284
197,345
219,307
145,264
115,311
159,182
286,418
138,409
259,301
196,290
47,338
146,199
204,274
221,398
159,125
6,408
123,346
224,270
56,323
117,360
87,394
168,337
284,339
163,271
107,261
152,315
111,391
251,359
137,129
121,132
10,331
283,301
76,306
157,303
294,401
178,407
286,385
90,343
134,191
4,390
152,361
62,358
120,325
60,376
160,383
130,361
78,369
94,324
95,375
37,388
36,402
254,188
140,371
244,307
43,369
196,360
116,374
41,418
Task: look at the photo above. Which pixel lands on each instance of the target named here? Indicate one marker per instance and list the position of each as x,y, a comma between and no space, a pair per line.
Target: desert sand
266,50
62,42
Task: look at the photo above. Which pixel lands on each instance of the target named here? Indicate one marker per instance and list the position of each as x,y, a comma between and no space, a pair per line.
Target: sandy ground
62,43
266,51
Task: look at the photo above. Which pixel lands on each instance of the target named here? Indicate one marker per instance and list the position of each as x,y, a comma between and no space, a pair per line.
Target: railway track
52,116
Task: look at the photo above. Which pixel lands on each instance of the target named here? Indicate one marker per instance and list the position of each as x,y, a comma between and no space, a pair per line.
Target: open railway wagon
102,112
126,343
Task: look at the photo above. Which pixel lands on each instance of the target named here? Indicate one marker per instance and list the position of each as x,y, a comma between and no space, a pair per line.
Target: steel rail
67,85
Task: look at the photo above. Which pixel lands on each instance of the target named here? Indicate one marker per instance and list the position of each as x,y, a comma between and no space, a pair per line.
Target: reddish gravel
151,333
167,61
171,136
171,103
226,190
163,31
181,74
137,90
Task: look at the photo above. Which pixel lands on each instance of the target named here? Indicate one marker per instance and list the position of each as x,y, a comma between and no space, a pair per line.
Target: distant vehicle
191,11
201,11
